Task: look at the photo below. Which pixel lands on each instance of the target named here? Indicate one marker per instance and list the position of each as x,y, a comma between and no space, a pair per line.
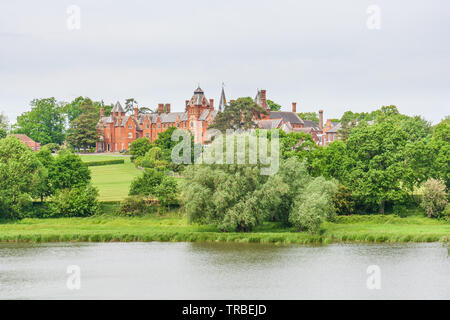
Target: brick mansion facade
118,130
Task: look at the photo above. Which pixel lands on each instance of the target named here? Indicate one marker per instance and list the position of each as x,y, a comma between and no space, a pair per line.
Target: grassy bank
174,227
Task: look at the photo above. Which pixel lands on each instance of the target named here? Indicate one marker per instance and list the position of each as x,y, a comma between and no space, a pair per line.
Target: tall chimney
263,99
211,103
187,104
294,107
136,111
160,108
167,107
321,119
102,112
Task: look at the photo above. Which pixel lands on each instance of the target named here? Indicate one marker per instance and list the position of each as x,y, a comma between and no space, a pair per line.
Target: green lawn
175,228
113,181
90,157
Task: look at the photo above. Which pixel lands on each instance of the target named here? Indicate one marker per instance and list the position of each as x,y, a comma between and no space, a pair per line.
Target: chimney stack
160,108
321,119
136,111
168,107
102,112
294,107
263,99
211,103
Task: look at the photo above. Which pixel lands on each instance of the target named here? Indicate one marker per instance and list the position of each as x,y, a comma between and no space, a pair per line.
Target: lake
223,271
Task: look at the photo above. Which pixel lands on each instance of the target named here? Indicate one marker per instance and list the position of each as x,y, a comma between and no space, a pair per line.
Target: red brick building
30,143
118,130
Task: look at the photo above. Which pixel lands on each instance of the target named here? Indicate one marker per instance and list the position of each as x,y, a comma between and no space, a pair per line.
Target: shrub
104,162
135,206
68,170
446,213
343,200
53,147
434,198
314,205
139,147
76,202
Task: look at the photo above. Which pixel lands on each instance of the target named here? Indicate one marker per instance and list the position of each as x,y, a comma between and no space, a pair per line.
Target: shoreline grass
174,228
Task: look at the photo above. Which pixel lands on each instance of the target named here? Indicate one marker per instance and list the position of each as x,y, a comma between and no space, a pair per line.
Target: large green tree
83,132
44,123
239,115
19,174
68,171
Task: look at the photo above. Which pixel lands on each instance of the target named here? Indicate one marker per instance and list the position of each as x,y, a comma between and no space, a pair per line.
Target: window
130,126
159,125
130,135
146,126
192,124
147,135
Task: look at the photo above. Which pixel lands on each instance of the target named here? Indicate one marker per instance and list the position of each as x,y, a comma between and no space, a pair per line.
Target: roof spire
223,100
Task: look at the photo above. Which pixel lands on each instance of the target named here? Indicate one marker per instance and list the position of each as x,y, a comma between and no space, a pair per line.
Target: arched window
130,135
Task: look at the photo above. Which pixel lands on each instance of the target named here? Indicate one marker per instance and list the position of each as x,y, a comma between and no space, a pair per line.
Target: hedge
104,162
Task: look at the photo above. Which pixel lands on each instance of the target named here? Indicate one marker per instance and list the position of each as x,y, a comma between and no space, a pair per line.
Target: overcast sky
321,54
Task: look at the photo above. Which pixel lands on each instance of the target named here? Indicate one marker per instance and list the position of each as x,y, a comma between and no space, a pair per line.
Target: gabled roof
197,98
286,116
311,124
117,107
335,129
22,137
269,123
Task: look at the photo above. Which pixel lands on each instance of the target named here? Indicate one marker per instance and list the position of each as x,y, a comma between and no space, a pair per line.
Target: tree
80,201
73,109
129,105
296,144
4,126
45,187
273,106
434,198
147,183
4,123
167,191
440,151
139,147
239,115
376,168
154,158
309,116
44,123
68,171
156,185
83,130
19,174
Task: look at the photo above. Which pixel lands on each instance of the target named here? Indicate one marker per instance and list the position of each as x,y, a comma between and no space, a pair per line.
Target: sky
333,55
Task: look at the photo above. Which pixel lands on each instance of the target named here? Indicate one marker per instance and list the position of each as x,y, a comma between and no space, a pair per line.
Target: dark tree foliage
68,171
44,123
239,115
83,132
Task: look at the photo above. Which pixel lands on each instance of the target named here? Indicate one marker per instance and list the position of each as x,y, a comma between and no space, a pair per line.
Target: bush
53,147
139,147
343,200
104,162
135,206
446,213
76,202
434,198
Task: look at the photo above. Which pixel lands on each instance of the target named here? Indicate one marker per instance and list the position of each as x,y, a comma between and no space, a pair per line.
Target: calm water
223,271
